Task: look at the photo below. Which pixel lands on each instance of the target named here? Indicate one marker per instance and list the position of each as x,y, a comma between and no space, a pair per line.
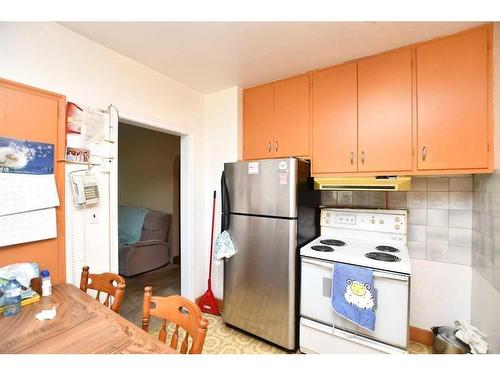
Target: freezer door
262,187
259,280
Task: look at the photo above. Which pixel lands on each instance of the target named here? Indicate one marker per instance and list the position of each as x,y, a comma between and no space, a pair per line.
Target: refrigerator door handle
224,203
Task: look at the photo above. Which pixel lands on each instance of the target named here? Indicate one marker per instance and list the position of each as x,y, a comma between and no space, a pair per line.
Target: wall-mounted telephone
85,189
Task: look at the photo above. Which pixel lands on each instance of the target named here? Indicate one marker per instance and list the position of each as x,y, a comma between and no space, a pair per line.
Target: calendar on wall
28,191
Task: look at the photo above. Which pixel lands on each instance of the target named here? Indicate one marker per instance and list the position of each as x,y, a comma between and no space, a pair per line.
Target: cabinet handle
352,157
269,147
276,146
424,153
363,157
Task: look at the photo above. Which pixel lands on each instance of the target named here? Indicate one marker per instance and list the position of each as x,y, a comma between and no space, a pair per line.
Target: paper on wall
28,226
22,192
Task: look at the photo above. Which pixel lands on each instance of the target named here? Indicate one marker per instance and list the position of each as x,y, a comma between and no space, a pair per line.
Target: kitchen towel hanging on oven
353,294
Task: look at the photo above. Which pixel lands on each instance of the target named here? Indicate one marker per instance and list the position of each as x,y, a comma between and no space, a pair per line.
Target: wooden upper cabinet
385,112
291,116
334,120
452,99
258,122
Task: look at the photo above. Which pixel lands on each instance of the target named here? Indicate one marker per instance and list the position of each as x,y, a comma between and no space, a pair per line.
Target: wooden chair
110,283
179,311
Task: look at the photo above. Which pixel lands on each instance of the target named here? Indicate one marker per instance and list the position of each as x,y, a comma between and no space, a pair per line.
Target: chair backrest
104,282
182,313
156,226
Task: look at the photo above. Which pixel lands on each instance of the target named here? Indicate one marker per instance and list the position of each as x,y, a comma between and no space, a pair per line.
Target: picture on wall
78,155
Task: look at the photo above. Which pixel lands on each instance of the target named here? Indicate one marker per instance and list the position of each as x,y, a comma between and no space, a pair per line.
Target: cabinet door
452,94
385,112
258,122
291,117
334,123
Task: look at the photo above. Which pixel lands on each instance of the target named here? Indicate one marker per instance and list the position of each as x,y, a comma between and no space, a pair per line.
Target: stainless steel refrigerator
269,208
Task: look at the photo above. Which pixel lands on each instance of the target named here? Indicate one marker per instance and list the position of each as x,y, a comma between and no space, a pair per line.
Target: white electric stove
375,239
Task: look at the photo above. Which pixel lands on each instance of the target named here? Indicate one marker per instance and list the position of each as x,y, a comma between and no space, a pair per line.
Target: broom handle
211,245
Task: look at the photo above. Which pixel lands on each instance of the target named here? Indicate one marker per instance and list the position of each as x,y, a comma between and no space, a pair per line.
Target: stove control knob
381,222
373,221
397,226
397,219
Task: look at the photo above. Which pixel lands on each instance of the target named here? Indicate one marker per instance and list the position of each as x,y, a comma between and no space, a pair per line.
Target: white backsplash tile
438,200
459,255
417,216
396,199
417,233
460,219
460,237
419,184
344,198
416,199
461,183
437,235
438,184
461,200
437,217
437,252
377,199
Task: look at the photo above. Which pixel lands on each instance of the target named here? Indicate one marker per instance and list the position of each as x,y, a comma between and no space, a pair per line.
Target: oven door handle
326,265
392,276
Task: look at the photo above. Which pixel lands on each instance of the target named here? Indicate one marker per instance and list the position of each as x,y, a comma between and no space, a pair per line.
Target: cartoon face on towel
359,294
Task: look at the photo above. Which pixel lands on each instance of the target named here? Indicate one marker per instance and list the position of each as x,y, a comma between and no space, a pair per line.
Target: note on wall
24,192
28,226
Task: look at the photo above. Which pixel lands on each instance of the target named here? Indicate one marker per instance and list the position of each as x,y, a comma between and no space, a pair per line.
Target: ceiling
211,56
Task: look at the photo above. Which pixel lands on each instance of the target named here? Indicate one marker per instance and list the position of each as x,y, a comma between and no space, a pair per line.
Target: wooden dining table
81,325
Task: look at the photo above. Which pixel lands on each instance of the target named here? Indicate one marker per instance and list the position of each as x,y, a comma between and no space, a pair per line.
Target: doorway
149,173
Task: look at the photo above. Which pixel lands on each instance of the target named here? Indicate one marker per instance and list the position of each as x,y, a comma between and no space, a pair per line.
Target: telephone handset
85,189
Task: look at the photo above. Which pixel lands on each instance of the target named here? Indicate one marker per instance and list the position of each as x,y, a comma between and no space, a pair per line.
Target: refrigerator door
259,280
262,187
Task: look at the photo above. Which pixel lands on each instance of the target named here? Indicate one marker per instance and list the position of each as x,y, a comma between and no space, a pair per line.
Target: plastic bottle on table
46,283
12,297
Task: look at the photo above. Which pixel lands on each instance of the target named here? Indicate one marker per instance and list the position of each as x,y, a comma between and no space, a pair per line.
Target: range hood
379,183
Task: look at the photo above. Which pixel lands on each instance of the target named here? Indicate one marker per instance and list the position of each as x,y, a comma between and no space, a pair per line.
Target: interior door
452,84
291,117
258,122
334,120
385,112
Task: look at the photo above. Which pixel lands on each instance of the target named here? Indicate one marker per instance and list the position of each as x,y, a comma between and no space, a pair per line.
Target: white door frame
186,196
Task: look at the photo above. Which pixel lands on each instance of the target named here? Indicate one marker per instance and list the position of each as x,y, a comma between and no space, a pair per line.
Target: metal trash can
444,341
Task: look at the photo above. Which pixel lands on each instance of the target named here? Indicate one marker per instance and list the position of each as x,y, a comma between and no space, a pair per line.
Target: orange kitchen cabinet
385,112
452,102
258,122
334,120
291,116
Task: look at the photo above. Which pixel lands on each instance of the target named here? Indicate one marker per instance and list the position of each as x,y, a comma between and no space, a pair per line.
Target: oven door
391,303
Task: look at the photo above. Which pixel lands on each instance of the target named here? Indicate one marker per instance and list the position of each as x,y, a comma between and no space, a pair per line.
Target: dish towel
224,247
471,336
353,294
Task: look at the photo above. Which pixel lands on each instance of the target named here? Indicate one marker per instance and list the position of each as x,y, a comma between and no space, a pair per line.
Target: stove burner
322,248
385,257
388,249
333,242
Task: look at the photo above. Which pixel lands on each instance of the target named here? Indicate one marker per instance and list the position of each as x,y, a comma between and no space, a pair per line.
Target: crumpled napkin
471,336
46,314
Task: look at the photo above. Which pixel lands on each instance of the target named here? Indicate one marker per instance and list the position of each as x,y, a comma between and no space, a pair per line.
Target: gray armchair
152,250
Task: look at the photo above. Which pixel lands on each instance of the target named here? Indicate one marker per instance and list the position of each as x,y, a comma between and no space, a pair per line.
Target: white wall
49,56
222,121
440,293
